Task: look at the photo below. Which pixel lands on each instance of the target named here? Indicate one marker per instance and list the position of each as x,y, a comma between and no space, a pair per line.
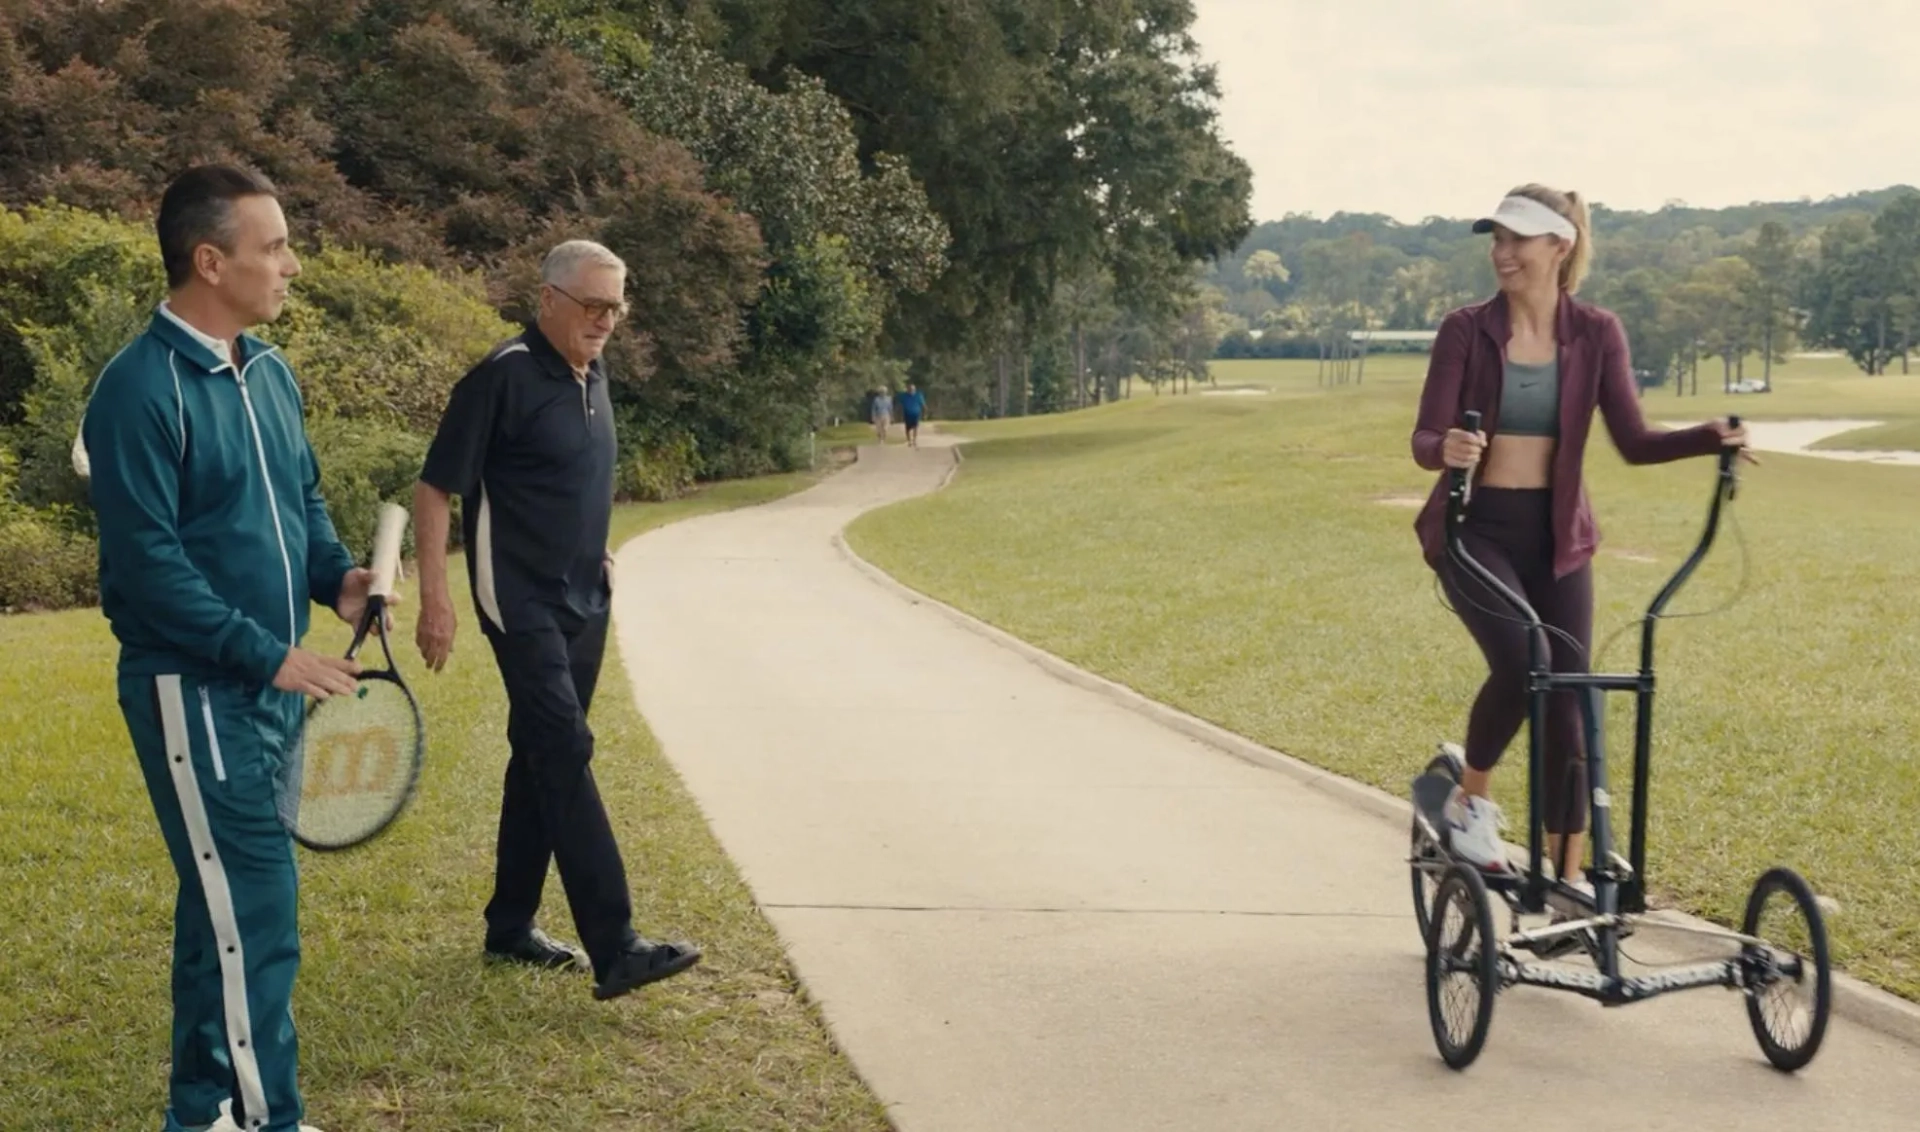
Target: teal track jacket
214,539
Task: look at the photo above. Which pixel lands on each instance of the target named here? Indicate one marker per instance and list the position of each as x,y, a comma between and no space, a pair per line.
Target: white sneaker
1473,825
226,1122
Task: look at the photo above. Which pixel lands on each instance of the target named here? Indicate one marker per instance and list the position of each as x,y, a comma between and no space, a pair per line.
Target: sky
1417,108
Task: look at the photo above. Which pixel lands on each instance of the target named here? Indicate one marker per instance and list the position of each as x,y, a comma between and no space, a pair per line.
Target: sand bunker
1795,437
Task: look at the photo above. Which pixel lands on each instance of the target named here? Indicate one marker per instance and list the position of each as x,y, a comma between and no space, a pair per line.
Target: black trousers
1508,531
550,808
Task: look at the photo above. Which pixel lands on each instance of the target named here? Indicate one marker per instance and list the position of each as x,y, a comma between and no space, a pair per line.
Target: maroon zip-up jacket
1596,370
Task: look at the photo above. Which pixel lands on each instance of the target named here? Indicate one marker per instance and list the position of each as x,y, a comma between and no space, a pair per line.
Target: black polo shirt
529,447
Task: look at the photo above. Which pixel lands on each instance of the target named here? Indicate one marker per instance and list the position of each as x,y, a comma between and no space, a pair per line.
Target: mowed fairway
402,1026
1251,559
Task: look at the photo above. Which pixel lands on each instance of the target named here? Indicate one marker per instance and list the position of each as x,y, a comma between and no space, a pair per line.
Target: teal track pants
209,751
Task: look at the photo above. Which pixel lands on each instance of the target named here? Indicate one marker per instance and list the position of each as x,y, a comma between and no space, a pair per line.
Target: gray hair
564,262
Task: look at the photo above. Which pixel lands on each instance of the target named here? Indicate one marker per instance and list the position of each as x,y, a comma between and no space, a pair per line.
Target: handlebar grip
1730,463
1469,420
1727,454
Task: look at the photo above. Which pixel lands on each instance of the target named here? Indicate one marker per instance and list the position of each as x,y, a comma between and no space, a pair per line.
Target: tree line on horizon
1690,284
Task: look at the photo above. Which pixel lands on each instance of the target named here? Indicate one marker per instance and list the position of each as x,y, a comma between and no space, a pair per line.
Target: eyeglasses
598,309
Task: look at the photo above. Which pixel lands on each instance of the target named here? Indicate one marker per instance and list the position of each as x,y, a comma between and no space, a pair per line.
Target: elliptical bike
1467,966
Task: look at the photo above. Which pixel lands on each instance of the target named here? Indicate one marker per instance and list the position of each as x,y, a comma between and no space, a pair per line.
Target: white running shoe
1473,832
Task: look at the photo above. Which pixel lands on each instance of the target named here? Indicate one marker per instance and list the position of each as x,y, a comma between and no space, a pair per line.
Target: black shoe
536,949
643,962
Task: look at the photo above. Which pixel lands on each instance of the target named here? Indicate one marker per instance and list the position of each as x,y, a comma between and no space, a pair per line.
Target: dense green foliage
813,200
376,347
1070,147
445,134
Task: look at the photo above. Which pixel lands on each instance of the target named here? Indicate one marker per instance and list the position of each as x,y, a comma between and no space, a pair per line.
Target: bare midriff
1519,462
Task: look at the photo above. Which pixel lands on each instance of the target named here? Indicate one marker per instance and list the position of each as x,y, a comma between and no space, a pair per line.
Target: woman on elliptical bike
1535,362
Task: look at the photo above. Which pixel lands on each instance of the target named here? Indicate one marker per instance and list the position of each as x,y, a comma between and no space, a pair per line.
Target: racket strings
354,766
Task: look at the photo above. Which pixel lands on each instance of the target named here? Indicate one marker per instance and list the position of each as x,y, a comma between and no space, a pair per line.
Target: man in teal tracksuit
213,542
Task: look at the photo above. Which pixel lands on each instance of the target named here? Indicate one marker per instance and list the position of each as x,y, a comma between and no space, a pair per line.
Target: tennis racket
358,758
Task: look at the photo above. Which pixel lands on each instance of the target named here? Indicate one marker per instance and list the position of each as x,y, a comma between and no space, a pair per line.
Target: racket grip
386,548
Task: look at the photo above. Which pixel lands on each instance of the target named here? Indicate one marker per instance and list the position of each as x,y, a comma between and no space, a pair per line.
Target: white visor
1524,216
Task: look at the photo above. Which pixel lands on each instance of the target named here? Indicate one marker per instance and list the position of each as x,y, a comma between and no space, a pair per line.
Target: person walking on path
214,543
881,413
527,442
913,404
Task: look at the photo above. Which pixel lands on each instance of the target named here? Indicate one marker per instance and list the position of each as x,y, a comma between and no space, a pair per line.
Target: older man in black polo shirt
527,442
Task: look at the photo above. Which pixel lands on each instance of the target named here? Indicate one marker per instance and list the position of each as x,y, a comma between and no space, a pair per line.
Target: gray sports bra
1530,399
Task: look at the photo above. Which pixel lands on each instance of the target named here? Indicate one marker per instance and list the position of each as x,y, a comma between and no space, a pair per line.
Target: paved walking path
1024,906
1798,438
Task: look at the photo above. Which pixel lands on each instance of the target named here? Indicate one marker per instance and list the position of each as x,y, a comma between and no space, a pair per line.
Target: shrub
376,347
655,464
55,263
43,564
383,342
362,465
45,567
66,359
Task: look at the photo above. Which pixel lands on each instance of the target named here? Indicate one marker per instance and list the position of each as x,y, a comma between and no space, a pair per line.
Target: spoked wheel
1790,981
1463,965
1426,859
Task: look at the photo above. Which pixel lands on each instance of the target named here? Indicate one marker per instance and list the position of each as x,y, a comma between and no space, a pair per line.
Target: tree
1903,319
844,240
1858,293
1419,295
1897,232
1264,268
1052,135
1347,289
1200,327
445,134
1768,300
1084,306
1686,311
1719,292
1637,298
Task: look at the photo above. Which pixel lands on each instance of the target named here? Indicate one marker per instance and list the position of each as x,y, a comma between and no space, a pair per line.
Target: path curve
1798,437
1025,906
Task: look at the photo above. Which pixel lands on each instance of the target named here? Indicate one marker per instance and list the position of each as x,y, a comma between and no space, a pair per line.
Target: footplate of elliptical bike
1430,794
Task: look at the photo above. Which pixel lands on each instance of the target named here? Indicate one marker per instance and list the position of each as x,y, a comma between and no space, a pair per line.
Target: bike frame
1613,892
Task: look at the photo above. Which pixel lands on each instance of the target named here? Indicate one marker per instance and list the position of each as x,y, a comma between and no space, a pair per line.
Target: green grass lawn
402,1026
1251,559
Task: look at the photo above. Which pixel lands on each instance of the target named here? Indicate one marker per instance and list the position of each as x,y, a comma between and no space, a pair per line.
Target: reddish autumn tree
441,132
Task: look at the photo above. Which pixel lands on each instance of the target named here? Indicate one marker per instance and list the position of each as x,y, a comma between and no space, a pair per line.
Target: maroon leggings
1507,531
